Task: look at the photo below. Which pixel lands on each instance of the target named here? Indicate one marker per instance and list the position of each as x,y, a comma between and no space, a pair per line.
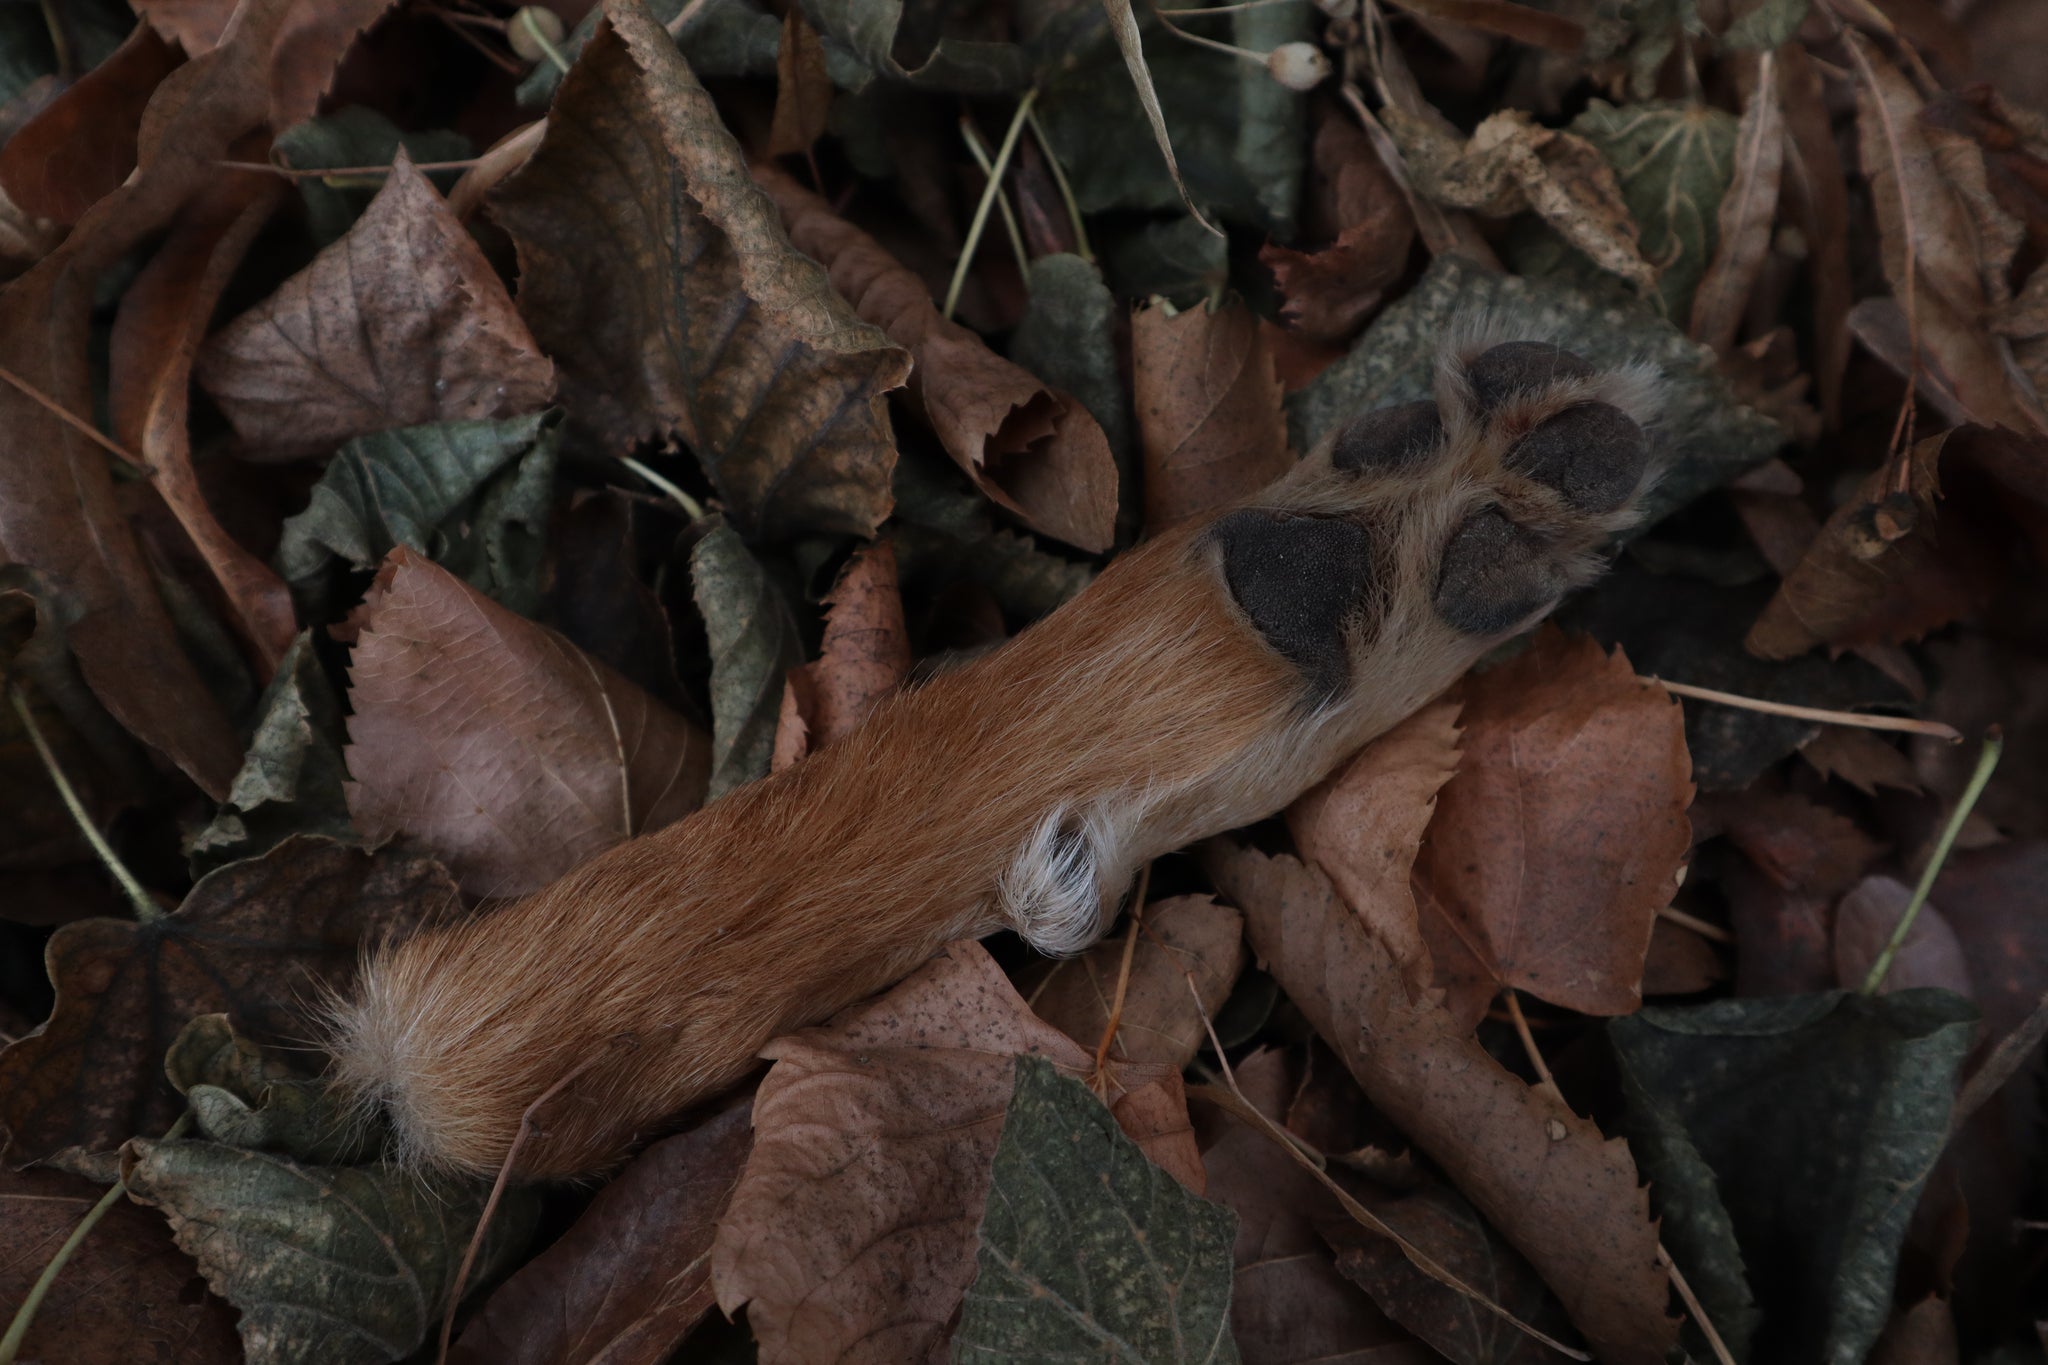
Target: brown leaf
803,91
1207,399
1033,450
1865,920
1357,203
1680,961
1922,1334
1748,210
1566,1198
126,1294
865,657
1864,760
1160,1022
658,276
851,1235
310,50
258,940
505,750
81,145
1562,834
400,323
631,1277
1798,857
195,25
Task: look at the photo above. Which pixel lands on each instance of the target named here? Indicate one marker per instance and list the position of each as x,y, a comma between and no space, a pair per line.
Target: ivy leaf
1088,1250
754,644
1674,162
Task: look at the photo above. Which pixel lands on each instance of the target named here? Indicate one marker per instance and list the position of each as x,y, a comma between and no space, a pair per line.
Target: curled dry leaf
258,940
851,1235
1561,836
400,323
1031,449
1357,204
658,276
631,1277
1207,399
1747,213
497,744
865,657
1672,160
81,145
1566,1198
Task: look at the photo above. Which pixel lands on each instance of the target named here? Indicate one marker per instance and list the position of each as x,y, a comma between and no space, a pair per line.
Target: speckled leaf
1674,162
1088,1250
754,644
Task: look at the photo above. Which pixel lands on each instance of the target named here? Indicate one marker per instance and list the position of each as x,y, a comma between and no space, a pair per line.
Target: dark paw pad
1518,366
1592,453
1388,439
1299,579
1494,574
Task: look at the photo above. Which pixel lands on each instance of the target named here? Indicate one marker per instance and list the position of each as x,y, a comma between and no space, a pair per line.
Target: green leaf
1704,436
472,496
358,136
291,778
754,644
1674,162
871,30
1272,128
243,1095
1806,1126
330,1265
1068,339
1088,1250
1766,24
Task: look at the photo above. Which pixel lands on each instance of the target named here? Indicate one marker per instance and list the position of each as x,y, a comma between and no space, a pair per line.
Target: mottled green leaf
245,1096
1818,1118
1068,340
358,136
291,778
1705,437
472,496
1764,24
754,644
1088,1250
1272,127
330,1265
1674,162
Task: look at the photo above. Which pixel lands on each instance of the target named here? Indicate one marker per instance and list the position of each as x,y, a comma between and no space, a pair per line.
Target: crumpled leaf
1357,207
401,322
849,1235
1512,163
658,276
865,657
1178,937
1561,836
81,145
1818,1118
1705,436
1673,162
1749,208
473,496
1563,1196
330,1265
258,940
1210,425
754,645
630,1278
1032,450
497,744
242,1094
123,1294
1088,1250
358,136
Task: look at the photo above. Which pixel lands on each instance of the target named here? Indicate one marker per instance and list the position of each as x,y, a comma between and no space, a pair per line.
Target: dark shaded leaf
1207,399
358,136
965,66
1674,162
726,38
1067,338
753,645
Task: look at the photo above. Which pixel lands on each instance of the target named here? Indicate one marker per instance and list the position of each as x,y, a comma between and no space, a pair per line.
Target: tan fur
1023,790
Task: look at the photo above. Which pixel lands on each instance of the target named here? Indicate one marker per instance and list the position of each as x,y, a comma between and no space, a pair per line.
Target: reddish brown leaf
1680,961
126,1294
1923,1334
1031,449
1864,760
310,50
865,656
400,323
1358,206
803,91
1562,834
496,743
1207,400
195,25
628,1281
1748,210
1865,921
1798,857
258,940
1566,1198
81,146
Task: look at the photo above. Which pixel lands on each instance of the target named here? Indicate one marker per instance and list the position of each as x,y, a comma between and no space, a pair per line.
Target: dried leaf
244,1095
82,144
497,744
309,51
803,89
258,940
1360,209
400,323
754,645
1560,1194
1210,426
864,658
1032,450
658,276
630,1278
1561,836
1674,162
1180,937
1087,1248
1748,209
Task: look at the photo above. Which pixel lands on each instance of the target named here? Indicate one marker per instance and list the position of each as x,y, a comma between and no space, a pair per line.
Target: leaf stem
691,507
1123,976
1987,762
1059,176
980,154
1898,724
69,418
146,908
988,197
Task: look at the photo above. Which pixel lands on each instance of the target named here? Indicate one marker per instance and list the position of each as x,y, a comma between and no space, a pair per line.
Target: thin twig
1898,724
69,418
1703,928
1544,1079
146,908
1059,177
340,172
691,507
1987,762
1123,975
988,197
554,54
979,152
1902,429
